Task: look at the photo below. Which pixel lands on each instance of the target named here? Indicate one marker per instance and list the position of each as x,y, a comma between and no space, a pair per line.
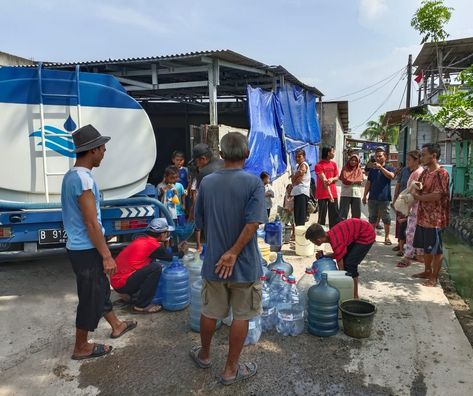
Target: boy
268,191
178,160
351,240
171,192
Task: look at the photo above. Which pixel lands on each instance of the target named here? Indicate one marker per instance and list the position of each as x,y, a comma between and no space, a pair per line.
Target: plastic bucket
304,247
357,318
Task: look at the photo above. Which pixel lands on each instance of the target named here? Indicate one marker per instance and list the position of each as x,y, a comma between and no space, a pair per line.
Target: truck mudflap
36,230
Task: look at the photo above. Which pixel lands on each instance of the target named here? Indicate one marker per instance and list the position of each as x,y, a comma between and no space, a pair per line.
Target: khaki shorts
219,296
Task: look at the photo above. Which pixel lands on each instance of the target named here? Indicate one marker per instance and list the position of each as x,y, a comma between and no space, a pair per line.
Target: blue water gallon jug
273,233
323,309
281,264
176,294
195,307
158,296
321,265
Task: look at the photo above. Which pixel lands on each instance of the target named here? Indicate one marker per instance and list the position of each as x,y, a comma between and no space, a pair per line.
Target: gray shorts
379,210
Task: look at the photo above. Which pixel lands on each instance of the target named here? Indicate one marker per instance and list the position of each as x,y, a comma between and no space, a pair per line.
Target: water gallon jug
290,311
273,233
304,247
158,296
305,283
277,285
268,316
265,269
176,294
195,307
254,331
281,264
323,309
323,264
193,263
342,282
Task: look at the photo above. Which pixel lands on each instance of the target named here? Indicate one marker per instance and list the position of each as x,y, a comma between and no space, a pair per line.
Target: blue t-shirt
403,178
75,182
229,199
183,177
380,189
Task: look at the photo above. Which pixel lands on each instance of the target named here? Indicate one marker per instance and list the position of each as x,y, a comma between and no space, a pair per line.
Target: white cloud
372,9
131,17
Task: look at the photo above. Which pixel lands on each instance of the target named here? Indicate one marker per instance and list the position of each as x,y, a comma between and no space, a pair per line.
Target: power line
370,86
403,94
375,90
381,105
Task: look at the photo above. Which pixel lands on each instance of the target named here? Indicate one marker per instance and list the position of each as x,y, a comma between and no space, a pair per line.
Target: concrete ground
417,346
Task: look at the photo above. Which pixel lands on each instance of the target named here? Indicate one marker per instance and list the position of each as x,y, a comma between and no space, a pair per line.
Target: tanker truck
39,110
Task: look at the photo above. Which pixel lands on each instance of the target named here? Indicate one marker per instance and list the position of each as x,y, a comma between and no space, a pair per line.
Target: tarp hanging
300,116
265,139
311,152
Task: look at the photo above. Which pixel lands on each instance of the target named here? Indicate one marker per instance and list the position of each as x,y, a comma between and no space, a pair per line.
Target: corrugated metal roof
193,58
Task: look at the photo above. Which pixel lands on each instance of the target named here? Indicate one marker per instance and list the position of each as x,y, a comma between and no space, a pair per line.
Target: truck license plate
48,237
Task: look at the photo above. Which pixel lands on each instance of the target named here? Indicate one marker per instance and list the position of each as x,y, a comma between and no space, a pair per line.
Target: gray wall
12,60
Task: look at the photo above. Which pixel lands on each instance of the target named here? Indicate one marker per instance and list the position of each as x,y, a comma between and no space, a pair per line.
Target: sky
338,46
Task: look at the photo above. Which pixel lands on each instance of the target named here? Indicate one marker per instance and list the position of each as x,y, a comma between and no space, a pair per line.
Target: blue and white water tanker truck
39,110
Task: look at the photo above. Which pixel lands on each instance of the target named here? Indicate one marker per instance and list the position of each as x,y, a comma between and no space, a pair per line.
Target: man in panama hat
86,246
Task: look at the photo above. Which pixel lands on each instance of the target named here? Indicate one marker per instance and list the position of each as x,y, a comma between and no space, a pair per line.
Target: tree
430,19
376,130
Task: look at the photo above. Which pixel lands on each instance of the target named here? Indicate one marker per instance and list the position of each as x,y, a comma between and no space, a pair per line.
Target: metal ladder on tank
42,95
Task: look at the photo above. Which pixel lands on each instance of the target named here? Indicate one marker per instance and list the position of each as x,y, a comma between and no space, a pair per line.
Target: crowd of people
228,205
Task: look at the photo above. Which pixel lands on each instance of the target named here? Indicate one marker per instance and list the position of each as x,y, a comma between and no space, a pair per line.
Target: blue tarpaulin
267,150
311,152
300,116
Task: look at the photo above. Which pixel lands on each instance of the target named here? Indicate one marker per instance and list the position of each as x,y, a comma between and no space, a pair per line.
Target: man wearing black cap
86,246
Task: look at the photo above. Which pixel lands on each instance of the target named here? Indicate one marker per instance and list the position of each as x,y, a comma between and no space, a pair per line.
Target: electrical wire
375,90
403,94
370,86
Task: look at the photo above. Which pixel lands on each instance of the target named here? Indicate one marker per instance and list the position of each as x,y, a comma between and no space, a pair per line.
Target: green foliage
430,19
376,130
456,104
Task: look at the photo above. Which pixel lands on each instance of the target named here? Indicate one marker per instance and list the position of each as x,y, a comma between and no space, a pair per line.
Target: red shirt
347,232
132,258
329,169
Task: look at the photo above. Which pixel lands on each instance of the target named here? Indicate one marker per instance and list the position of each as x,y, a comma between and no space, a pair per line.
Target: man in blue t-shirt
229,208
378,187
86,246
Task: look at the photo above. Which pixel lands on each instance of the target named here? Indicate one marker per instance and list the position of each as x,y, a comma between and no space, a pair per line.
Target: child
178,160
171,193
286,212
268,191
351,240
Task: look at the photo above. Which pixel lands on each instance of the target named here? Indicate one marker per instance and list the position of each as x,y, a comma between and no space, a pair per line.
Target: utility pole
408,105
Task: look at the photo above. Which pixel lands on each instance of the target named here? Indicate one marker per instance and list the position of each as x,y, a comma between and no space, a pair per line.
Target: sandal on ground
194,354
396,248
150,309
251,369
404,263
400,253
130,325
387,242
97,351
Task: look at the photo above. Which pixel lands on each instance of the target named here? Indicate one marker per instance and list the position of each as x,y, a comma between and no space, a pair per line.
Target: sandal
387,242
97,351
396,248
251,369
404,263
400,253
130,325
194,354
150,309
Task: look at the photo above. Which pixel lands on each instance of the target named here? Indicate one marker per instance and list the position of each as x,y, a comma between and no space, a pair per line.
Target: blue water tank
176,295
273,233
322,309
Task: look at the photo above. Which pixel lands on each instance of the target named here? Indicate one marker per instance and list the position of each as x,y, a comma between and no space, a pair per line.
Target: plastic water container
254,331
195,307
277,285
342,282
305,283
268,316
304,247
273,233
323,309
265,269
323,264
158,296
176,294
290,311
281,264
193,263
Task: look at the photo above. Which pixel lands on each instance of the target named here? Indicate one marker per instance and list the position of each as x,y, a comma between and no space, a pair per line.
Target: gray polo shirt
229,199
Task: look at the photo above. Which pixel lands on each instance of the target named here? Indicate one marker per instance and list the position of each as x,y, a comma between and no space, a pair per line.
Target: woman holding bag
352,178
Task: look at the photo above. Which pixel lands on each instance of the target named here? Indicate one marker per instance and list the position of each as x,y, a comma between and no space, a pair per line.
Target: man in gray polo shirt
230,207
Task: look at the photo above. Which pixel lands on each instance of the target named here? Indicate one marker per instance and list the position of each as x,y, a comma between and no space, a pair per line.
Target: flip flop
396,248
151,309
403,264
251,368
388,242
400,253
130,325
99,350
194,354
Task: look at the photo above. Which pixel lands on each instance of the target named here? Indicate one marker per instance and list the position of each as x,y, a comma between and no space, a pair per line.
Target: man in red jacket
136,272
351,240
